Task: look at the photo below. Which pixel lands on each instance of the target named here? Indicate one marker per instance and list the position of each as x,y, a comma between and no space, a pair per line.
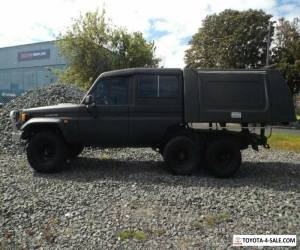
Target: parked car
161,108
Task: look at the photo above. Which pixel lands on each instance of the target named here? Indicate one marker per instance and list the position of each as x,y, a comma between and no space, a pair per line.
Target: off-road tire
46,152
181,155
74,150
223,158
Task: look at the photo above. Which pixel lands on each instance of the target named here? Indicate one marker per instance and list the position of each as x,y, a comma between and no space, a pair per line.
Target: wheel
46,152
223,158
74,150
181,155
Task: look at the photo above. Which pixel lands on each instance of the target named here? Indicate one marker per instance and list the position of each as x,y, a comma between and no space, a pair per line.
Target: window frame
128,78
158,87
177,90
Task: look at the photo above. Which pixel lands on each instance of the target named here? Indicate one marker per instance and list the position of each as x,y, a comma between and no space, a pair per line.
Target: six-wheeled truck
192,118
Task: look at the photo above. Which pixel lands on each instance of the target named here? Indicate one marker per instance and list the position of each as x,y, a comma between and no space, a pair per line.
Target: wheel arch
171,132
36,125
198,136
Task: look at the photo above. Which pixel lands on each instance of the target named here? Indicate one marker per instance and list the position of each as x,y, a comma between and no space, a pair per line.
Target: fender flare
46,122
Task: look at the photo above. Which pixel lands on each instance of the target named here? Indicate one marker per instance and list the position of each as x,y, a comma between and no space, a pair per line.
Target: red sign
32,55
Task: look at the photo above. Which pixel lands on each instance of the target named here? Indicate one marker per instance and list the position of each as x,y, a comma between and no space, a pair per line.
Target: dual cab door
106,123
132,110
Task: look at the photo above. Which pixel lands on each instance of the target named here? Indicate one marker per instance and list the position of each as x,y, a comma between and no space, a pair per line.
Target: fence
5,98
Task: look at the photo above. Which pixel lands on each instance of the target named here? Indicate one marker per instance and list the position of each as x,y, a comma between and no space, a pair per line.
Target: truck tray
237,96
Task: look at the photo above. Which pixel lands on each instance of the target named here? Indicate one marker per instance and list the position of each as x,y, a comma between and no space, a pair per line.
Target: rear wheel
223,158
46,152
181,155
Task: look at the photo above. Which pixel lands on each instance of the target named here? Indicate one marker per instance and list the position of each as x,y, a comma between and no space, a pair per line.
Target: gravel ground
125,199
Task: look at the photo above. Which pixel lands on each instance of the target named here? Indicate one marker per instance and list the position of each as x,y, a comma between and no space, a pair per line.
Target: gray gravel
49,95
124,199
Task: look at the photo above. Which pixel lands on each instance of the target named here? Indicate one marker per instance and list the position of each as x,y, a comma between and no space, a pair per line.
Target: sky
170,23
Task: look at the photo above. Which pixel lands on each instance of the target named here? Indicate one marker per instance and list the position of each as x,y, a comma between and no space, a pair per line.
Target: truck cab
132,107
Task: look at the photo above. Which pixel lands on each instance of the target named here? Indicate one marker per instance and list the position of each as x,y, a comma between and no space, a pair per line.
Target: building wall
28,66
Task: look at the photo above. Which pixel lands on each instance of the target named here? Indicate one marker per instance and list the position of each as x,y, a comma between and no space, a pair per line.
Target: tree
286,52
230,39
132,50
92,45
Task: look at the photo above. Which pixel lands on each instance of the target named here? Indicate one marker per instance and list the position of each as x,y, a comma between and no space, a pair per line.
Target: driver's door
106,123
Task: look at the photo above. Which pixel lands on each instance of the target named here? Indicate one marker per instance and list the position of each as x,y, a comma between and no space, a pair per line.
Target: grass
211,220
218,218
128,234
285,142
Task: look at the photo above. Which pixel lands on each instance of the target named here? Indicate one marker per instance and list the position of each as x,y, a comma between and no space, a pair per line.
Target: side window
112,91
156,86
168,86
147,86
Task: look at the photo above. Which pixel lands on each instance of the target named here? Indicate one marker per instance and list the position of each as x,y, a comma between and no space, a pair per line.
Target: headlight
14,116
23,117
18,117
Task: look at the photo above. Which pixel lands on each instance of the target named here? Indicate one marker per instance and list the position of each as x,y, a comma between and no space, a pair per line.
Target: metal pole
268,44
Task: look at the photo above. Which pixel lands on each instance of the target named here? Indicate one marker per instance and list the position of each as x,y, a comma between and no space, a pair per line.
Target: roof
134,71
28,44
230,70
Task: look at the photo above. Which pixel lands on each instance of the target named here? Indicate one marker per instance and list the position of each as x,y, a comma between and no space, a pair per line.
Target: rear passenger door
157,105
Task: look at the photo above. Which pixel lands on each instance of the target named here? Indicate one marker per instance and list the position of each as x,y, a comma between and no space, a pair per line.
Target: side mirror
89,100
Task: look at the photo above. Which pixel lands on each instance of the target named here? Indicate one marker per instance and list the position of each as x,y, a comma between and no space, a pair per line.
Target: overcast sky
169,23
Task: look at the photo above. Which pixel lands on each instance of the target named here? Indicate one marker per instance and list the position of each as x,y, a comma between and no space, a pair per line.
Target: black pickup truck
193,118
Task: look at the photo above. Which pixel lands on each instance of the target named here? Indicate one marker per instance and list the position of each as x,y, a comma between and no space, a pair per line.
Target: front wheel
46,152
181,155
223,158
